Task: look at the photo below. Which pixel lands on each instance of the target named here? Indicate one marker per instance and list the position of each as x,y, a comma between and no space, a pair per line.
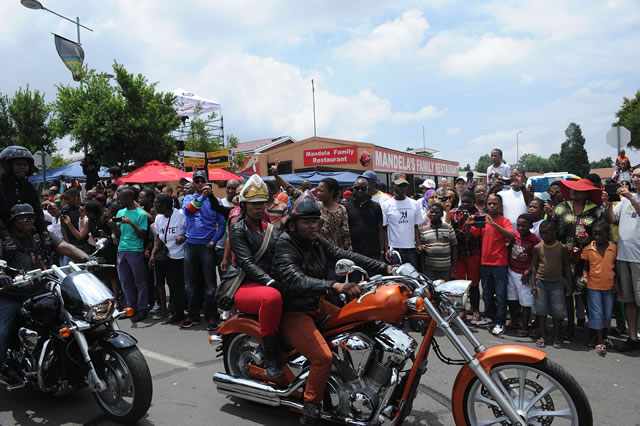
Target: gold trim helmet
254,190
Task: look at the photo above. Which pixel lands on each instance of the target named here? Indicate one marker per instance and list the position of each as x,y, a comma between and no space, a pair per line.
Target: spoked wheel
129,388
542,393
239,351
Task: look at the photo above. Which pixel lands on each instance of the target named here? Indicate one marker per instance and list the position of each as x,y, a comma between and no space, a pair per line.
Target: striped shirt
440,241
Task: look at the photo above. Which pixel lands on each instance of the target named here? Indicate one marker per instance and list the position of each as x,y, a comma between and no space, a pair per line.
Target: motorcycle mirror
100,244
3,264
344,267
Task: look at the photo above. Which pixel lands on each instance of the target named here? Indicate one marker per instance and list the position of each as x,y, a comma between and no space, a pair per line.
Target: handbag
226,291
163,251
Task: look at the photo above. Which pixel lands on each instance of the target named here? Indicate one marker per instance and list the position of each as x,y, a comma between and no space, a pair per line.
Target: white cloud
526,78
488,51
453,131
389,41
425,113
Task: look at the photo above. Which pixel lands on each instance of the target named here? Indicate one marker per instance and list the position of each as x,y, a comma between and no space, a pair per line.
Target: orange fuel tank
386,304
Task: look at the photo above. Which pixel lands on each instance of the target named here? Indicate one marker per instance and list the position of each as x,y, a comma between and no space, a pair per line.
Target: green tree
573,156
629,117
602,163
25,120
482,163
535,163
200,138
127,124
554,162
58,160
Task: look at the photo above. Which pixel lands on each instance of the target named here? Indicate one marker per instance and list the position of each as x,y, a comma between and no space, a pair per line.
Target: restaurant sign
386,160
335,155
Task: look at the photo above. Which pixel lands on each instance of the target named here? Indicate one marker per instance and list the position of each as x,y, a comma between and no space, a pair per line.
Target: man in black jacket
301,258
17,165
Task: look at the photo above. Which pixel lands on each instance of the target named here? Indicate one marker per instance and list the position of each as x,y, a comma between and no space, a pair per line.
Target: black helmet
14,152
21,210
305,206
200,174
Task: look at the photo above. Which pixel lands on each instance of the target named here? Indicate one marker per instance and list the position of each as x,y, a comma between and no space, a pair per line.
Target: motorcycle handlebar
28,278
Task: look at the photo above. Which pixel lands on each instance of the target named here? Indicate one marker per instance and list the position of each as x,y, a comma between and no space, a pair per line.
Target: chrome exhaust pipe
263,393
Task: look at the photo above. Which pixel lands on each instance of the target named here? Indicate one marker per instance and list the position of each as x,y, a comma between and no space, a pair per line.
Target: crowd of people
574,255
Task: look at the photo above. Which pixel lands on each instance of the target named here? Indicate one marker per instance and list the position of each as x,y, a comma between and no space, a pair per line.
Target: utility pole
313,95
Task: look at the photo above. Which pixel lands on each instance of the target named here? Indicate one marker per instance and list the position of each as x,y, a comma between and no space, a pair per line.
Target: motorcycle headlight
100,311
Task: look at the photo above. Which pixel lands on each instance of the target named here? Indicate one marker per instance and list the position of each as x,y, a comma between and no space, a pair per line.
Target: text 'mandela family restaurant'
325,154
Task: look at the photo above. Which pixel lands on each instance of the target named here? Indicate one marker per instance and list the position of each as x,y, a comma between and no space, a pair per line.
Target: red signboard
386,160
336,155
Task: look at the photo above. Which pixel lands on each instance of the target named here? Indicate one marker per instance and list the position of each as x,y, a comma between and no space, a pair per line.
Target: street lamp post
518,146
36,5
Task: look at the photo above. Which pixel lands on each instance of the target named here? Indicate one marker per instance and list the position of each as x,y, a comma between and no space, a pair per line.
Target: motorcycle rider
30,253
17,164
258,293
302,258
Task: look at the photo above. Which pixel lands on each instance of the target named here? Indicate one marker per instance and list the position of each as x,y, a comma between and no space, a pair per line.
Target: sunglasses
360,188
444,198
199,181
25,219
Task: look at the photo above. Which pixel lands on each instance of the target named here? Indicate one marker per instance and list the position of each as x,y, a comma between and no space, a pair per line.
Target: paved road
182,364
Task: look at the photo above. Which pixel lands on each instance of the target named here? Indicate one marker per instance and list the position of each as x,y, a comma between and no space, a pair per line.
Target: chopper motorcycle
69,338
372,381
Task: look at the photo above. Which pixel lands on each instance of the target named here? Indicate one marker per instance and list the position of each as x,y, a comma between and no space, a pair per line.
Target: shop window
285,167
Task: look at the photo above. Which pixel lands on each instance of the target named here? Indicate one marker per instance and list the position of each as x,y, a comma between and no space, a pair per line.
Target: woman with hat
257,293
574,219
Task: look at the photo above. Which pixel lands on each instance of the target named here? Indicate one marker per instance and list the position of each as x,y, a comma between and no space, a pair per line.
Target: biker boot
310,414
270,349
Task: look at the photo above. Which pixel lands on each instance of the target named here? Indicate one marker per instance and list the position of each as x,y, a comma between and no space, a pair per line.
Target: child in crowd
599,273
536,210
520,255
439,245
549,266
468,251
494,260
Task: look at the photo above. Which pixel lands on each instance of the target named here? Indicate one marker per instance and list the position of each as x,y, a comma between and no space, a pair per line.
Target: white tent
186,102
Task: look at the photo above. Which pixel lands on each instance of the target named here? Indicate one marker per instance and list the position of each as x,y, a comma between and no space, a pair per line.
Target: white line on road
167,359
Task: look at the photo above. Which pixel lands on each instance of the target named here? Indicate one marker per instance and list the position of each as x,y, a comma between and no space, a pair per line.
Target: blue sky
472,73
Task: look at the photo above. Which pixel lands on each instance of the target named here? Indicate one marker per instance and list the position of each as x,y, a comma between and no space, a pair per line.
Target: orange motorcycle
369,384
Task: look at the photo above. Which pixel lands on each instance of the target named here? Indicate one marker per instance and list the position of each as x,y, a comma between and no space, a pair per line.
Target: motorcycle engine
362,368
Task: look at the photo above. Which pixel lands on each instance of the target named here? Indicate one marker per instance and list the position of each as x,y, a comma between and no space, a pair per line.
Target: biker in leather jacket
302,258
258,293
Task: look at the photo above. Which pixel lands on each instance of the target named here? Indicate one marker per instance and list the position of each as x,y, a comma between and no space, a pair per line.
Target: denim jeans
408,256
200,261
600,308
494,292
9,310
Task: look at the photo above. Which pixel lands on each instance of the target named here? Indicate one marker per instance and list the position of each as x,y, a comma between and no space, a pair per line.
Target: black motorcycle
69,338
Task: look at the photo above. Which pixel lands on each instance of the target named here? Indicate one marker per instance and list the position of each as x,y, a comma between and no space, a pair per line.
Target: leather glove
5,280
47,242
9,246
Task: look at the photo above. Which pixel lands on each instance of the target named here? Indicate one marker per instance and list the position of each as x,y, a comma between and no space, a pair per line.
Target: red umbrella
222,174
155,171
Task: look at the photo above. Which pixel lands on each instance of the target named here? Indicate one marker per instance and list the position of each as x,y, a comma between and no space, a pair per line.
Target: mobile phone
507,182
480,221
612,189
117,219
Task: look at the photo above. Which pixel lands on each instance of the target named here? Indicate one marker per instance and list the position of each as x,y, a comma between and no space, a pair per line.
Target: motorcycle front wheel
127,397
543,393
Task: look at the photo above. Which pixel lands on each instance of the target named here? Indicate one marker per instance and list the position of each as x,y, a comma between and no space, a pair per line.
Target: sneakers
483,321
155,309
139,316
188,322
476,318
463,316
628,345
173,319
162,313
497,330
212,325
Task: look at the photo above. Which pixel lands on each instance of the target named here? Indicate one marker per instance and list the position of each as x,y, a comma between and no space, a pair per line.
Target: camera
117,219
480,221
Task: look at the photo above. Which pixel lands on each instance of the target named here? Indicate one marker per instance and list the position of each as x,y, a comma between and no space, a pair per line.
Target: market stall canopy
186,102
155,171
343,178
69,172
222,174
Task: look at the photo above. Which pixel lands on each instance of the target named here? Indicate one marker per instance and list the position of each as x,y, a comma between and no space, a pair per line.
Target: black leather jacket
16,191
245,243
302,266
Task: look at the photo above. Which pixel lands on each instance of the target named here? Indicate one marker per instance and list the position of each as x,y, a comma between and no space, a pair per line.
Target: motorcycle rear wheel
129,387
550,395
238,351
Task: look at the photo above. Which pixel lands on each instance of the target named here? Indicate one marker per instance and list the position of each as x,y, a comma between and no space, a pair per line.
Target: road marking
167,359
436,396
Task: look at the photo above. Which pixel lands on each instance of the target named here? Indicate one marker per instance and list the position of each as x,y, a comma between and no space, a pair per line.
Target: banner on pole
71,54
